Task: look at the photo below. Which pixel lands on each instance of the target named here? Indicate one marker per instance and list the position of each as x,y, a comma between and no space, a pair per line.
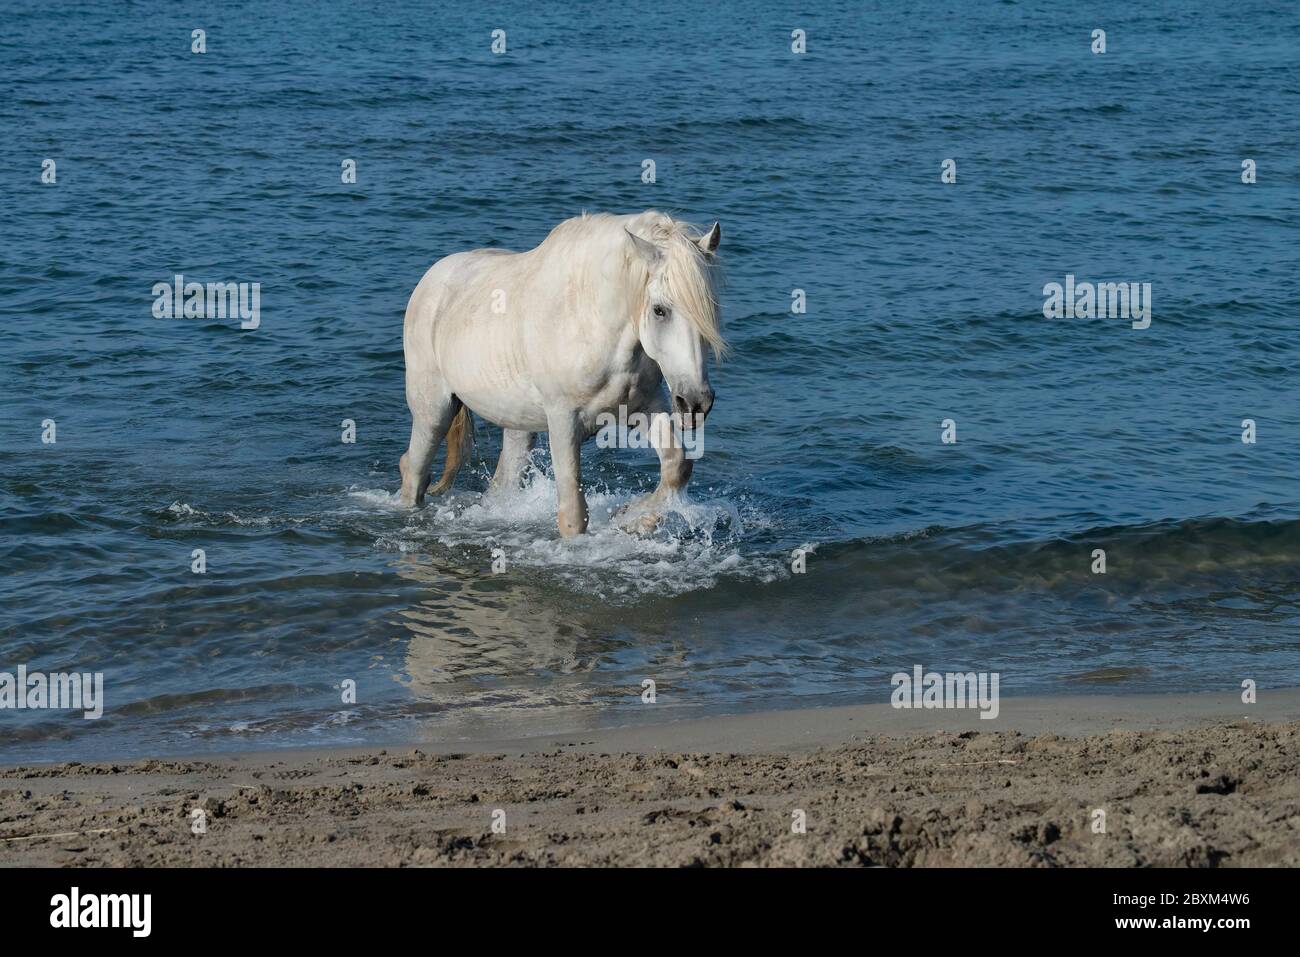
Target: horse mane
689,276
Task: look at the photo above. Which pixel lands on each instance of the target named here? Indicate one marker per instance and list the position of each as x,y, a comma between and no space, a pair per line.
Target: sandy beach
1196,781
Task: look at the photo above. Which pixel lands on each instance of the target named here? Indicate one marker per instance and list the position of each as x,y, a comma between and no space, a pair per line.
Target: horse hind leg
428,426
515,446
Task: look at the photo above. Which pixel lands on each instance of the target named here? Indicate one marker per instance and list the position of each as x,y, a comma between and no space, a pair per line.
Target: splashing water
695,543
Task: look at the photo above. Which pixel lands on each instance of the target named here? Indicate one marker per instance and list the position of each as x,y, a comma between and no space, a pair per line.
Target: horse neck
610,299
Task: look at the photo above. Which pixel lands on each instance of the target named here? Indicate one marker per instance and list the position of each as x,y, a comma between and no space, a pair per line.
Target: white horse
597,316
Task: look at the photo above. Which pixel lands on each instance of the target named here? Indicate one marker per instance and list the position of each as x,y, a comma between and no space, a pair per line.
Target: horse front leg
675,470
566,435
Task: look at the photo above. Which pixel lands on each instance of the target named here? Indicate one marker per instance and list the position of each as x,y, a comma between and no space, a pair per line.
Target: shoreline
803,728
1180,780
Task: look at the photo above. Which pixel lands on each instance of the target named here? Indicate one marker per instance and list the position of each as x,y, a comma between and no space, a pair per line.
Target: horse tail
460,441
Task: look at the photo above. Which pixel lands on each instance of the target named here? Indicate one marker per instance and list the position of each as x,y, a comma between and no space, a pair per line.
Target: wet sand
1188,780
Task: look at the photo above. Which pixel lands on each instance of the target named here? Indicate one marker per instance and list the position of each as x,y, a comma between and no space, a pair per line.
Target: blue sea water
924,303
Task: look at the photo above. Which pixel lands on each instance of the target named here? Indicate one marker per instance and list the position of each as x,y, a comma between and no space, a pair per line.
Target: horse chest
632,390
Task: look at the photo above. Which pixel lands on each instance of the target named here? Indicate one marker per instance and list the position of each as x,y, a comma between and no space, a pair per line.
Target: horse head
677,317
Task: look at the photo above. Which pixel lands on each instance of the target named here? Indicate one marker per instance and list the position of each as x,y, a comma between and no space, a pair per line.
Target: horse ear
709,241
647,250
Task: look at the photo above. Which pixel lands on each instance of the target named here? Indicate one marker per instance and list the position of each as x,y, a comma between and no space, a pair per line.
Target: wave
1206,557
723,538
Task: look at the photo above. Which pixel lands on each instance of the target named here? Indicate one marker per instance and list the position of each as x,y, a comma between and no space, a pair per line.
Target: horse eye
660,312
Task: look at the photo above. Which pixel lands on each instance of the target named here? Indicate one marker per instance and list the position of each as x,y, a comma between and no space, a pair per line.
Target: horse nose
696,406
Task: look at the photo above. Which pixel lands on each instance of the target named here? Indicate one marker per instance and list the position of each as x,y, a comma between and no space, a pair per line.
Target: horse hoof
642,524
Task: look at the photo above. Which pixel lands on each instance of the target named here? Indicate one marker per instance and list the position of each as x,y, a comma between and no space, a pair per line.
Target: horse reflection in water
482,644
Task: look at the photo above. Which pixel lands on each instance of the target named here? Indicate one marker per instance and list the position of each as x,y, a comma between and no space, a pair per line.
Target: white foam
376,497
184,510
